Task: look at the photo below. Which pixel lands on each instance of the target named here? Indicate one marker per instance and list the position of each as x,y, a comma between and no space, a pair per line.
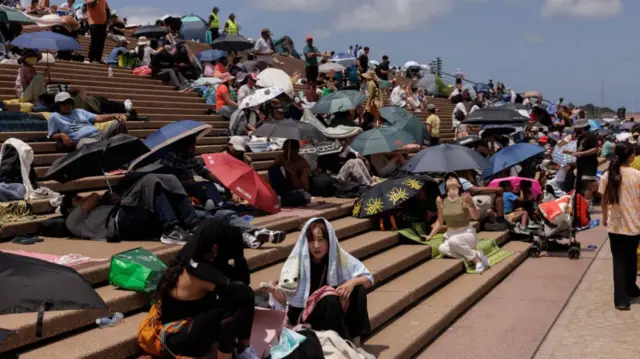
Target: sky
560,47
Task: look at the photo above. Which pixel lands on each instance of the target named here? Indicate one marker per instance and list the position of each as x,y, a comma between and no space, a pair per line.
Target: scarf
295,278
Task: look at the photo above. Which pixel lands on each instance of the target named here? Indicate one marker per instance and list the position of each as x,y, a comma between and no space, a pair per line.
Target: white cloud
296,5
392,15
140,15
582,8
533,39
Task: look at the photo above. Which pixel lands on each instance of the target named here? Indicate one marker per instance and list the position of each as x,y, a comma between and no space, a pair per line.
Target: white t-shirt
397,96
263,46
243,92
459,107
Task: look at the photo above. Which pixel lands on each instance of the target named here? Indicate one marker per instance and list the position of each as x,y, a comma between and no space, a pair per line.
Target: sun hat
580,123
226,77
369,75
142,40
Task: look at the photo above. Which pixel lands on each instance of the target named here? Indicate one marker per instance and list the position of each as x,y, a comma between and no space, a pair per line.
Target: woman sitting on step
198,305
456,210
324,285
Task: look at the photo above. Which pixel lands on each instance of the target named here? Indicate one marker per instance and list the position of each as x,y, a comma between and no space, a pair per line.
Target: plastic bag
137,269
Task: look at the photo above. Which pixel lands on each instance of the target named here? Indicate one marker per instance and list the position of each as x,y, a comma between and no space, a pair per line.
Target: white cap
62,97
237,142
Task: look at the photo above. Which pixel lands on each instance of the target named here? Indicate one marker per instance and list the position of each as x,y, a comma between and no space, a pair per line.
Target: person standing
230,27
97,13
620,188
586,158
311,55
363,60
374,100
264,48
382,71
214,24
433,125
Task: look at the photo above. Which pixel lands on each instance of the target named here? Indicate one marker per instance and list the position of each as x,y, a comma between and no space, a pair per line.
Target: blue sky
559,47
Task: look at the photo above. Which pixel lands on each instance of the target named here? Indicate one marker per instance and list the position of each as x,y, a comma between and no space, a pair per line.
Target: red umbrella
243,181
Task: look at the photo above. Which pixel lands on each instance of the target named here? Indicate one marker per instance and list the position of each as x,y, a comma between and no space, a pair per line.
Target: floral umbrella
388,195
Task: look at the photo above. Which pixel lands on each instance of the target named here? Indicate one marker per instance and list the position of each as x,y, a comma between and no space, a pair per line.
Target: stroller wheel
534,251
574,253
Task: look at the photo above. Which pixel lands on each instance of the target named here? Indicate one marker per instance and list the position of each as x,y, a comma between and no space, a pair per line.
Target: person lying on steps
75,128
101,105
324,286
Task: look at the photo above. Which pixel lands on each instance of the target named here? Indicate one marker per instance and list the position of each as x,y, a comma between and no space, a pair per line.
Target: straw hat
369,75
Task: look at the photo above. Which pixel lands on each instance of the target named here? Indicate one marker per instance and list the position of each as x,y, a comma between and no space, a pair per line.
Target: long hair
622,152
170,278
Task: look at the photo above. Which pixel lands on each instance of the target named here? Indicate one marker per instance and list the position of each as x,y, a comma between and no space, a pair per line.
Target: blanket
295,276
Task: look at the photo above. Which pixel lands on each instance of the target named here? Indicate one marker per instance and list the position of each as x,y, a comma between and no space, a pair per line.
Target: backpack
151,333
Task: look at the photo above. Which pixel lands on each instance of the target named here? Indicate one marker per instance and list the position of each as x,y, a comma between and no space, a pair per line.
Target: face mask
31,60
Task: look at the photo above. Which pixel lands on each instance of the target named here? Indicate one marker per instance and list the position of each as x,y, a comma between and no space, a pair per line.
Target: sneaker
480,267
496,226
128,105
483,259
247,353
175,236
265,235
251,241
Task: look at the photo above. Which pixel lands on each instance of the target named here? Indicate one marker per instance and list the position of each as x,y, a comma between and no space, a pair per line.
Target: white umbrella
260,96
374,63
276,78
411,64
331,66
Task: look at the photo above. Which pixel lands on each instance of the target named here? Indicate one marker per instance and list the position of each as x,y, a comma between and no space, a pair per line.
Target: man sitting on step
75,128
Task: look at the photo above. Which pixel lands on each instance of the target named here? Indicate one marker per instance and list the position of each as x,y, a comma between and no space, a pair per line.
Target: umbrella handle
106,179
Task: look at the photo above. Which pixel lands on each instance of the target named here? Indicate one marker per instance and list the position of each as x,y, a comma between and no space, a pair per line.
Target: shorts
484,204
311,72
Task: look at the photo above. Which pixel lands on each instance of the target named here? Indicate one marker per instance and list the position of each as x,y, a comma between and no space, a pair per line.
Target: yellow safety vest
215,23
232,28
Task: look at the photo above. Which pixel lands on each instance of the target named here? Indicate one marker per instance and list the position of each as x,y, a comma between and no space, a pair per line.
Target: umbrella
468,141
95,159
445,158
243,180
194,28
151,31
560,158
211,55
509,157
404,120
160,140
605,132
260,96
490,130
494,116
381,140
31,285
343,59
532,94
232,43
472,92
536,190
277,78
254,66
411,64
374,63
428,82
15,16
331,66
511,106
388,195
339,101
289,129
46,41
594,125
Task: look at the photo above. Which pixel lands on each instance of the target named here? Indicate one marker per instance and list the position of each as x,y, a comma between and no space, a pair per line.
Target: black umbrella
232,43
468,141
490,130
31,285
97,158
445,158
514,106
605,132
388,195
4,333
289,129
151,31
494,116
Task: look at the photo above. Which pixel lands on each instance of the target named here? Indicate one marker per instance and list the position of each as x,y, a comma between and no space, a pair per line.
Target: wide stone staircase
415,297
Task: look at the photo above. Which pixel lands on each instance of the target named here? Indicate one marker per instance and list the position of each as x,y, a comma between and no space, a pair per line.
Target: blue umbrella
509,157
211,55
160,140
46,41
595,125
194,28
445,158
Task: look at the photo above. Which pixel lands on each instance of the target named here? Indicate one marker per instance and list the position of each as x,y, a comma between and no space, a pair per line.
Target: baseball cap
237,142
309,38
63,97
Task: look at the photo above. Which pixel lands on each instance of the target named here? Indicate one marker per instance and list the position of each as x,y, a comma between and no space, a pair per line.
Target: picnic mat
69,260
489,247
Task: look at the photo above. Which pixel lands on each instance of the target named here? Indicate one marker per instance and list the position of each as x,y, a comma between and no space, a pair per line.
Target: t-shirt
623,217
364,63
263,46
509,199
92,225
607,149
243,92
98,12
383,66
434,121
313,60
222,89
77,125
112,59
459,107
466,185
587,165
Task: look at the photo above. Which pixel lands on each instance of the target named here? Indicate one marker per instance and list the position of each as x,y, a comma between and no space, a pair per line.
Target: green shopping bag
136,269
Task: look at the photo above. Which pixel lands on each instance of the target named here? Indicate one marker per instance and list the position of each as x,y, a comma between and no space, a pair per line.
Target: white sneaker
251,241
480,267
483,259
265,235
247,353
128,105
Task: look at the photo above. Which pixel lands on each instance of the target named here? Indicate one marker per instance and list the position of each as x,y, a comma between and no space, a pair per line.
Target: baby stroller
558,221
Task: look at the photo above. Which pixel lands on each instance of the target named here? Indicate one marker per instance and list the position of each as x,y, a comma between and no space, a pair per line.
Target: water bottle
110,321
110,71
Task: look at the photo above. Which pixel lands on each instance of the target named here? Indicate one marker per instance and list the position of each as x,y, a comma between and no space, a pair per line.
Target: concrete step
198,104
69,74
6,81
408,334
140,133
107,91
